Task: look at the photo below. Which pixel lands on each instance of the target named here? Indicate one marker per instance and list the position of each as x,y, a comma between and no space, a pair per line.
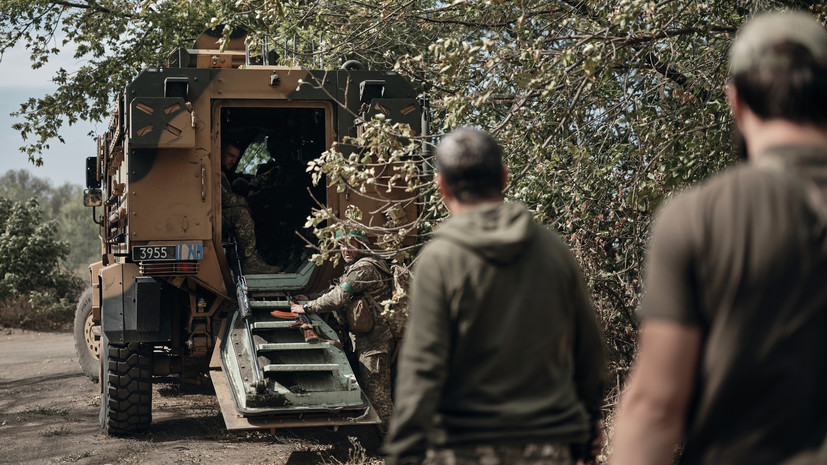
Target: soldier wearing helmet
367,281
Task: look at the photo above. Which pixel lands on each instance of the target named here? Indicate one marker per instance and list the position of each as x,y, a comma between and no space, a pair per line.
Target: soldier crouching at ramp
366,281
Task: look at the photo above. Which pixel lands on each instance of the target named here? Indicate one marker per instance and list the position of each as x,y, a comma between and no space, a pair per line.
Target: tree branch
90,7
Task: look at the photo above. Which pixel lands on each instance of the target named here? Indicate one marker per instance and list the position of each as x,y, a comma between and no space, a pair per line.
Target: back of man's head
470,163
778,64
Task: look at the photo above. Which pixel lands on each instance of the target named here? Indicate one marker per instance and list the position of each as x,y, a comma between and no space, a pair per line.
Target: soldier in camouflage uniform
364,275
500,454
235,215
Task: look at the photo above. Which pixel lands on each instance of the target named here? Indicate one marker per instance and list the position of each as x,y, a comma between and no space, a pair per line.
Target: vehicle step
270,347
283,324
296,367
281,304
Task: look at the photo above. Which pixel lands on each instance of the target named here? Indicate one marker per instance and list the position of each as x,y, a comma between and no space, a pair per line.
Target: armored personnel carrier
170,297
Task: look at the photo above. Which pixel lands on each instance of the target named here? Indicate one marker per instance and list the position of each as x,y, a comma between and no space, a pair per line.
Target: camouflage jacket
228,197
365,275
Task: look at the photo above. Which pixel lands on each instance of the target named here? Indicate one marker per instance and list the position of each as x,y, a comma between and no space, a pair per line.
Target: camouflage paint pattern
160,172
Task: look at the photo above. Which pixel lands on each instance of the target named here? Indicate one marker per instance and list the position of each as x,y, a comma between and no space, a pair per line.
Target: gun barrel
244,307
243,301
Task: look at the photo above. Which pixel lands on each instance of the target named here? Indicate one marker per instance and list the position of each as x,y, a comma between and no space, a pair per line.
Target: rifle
260,384
302,322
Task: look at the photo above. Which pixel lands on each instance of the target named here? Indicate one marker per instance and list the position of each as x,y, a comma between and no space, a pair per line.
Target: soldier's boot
254,264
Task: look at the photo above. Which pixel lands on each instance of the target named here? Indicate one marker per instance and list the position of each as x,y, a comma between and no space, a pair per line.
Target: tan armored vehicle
169,297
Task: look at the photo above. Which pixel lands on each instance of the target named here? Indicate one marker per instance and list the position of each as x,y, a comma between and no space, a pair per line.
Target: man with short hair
235,214
366,282
732,343
502,360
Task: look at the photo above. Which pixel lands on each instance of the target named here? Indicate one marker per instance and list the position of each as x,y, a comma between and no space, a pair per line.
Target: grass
357,455
21,312
38,410
61,430
72,458
48,411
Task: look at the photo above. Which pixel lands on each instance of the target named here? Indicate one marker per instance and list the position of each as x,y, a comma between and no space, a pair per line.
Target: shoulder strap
378,264
382,266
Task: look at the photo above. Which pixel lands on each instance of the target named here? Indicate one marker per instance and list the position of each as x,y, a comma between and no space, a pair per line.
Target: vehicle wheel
87,337
126,398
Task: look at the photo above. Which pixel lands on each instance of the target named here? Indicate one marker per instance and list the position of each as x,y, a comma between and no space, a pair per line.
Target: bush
61,203
28,312
35,291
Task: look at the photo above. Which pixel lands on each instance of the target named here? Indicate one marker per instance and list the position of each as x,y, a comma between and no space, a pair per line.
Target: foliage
602,107
30,273
383,160
64,205
255,154
115,38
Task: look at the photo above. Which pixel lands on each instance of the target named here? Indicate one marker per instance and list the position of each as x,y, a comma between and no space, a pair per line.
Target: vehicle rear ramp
268,373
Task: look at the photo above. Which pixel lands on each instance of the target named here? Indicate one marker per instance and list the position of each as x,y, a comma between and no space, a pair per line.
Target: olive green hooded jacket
502,344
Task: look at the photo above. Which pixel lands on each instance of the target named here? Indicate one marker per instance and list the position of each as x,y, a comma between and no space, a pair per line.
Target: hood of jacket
499,232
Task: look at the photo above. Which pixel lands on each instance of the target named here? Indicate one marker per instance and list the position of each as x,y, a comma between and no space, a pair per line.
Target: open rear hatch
266,373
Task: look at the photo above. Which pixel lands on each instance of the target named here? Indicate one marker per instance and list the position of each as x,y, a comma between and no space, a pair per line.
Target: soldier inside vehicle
269,174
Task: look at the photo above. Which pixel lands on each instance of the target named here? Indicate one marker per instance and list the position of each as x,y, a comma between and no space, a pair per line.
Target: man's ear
505,177
735,102
443,187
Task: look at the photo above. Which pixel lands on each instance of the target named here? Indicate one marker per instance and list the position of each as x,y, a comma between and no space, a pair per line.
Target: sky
62,163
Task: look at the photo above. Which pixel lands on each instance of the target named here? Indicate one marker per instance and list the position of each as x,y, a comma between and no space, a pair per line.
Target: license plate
149,253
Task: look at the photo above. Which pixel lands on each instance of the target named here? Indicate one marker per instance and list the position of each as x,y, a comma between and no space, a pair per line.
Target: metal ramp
267,374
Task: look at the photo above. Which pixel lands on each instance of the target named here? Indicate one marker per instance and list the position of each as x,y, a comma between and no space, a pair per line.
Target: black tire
87,337
126,397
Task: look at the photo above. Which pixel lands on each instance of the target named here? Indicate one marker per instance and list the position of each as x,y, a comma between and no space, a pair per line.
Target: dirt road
49,414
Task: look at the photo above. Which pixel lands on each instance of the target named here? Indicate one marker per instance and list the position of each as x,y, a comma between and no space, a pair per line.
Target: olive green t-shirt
744,259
